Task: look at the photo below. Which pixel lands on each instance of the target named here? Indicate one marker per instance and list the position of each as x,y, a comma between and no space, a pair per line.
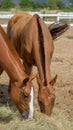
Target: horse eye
25,95
25,81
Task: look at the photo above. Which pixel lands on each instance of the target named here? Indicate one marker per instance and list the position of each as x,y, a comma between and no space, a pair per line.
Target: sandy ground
62,65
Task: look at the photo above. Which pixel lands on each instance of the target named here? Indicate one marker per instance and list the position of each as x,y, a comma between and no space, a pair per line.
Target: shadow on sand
7,108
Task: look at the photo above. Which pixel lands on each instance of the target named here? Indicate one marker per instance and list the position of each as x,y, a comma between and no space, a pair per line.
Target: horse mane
41,42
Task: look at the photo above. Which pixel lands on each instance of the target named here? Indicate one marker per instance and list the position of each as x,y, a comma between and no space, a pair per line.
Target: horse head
22,96
46,96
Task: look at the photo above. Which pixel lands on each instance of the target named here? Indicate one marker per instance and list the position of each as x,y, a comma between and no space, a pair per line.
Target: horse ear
52,82
25,80
32,76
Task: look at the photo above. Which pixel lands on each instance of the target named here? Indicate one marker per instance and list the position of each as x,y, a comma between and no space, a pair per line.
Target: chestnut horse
33,42
20,88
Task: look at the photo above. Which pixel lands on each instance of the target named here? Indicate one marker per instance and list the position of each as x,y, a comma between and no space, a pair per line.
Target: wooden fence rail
58,16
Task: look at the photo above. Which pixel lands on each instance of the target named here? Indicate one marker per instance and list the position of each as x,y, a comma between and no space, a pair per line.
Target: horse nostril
25,115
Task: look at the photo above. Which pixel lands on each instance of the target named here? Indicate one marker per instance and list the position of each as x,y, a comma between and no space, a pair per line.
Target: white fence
58,16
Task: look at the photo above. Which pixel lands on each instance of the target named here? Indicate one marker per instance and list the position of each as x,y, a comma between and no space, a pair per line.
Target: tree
6,4
60,4
52,4
40,5
26,3
71,3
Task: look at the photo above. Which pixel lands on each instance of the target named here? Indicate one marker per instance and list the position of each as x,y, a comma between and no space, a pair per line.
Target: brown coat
20,84
33,42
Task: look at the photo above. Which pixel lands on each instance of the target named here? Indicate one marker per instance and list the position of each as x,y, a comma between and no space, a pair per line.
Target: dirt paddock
62,65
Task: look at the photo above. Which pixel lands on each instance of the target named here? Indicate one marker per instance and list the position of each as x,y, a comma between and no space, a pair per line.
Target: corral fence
58,17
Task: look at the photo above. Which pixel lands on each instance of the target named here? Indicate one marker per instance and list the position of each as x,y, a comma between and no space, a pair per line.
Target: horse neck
43,49
9,59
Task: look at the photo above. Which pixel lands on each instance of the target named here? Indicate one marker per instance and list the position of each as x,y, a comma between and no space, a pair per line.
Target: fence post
58,17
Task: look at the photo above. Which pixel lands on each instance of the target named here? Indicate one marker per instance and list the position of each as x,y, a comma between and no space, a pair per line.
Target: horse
33,41
34,44
20,87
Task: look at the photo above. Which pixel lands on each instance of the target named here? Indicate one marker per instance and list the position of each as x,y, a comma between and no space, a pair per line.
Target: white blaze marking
31,104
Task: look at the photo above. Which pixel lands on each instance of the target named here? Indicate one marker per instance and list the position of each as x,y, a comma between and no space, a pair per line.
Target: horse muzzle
25,115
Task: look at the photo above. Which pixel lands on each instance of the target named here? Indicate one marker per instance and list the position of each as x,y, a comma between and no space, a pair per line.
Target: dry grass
10,119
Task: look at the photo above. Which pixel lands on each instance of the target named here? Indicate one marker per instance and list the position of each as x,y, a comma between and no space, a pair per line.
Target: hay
11,120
